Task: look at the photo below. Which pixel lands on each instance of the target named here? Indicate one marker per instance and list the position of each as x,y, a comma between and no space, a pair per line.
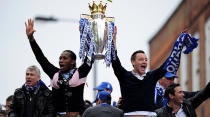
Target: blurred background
150,25
194,71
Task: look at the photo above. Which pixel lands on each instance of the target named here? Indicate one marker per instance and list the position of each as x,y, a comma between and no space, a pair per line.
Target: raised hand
30,29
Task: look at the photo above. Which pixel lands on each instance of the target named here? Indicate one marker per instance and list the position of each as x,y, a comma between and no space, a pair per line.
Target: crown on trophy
97,8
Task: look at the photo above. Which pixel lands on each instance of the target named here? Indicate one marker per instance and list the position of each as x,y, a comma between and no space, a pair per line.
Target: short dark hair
133,56
9,98
72,55
170,90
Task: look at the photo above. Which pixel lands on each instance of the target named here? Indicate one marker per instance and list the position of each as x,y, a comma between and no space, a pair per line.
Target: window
207,50
196,66
183,71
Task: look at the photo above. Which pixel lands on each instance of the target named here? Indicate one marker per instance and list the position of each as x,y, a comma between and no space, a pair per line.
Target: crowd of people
143,94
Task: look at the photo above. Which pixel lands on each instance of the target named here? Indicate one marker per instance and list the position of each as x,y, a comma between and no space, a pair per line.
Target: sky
137,22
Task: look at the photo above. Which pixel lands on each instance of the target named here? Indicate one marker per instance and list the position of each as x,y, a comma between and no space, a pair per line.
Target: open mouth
61,65
143,66
28,82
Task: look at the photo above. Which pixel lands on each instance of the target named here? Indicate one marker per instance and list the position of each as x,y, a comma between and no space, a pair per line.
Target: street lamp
53,19
40,18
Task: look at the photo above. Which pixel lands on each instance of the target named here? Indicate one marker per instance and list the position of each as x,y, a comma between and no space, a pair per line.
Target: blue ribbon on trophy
173,61
109,48
96,34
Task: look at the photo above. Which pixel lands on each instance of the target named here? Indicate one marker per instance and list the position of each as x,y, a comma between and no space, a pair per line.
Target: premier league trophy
96,34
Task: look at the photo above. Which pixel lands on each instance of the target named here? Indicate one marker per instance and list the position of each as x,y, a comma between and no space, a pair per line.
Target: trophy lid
97,8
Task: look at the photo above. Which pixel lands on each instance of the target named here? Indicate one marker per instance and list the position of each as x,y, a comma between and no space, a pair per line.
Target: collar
171,109
66,76
138,76
104,104
179,109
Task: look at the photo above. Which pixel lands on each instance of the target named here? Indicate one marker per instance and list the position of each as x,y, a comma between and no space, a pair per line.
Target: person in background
177,106
103,107
33,99
8,102
104,86
119,103
2,113
88,104
161,85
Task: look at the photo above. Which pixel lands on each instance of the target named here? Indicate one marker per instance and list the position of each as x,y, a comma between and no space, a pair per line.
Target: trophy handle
85,16
110,19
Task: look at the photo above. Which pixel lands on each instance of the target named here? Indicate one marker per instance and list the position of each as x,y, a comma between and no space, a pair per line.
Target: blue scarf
67,76
173,61
32,88
160,91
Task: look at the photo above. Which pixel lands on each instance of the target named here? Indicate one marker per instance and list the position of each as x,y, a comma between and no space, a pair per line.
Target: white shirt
148,113
137,75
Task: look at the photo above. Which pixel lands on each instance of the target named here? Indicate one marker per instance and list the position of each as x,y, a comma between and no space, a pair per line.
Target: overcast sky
137,22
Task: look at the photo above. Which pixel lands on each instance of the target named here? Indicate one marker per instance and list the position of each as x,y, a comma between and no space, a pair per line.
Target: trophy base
99,56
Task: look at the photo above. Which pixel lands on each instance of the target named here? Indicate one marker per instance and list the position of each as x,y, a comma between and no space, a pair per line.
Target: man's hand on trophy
30,29
115,37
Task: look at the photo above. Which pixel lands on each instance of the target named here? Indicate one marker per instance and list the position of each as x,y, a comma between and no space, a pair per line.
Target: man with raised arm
137,86
67,81
177,106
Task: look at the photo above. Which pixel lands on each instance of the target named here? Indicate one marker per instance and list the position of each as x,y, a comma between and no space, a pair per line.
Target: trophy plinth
99,56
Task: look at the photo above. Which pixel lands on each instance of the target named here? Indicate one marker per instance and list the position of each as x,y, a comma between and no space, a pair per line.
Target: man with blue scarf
138,86
33,99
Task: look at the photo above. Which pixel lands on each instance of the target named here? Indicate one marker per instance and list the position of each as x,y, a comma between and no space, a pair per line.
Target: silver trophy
99,25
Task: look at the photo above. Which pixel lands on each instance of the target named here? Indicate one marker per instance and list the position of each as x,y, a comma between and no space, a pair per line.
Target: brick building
194,69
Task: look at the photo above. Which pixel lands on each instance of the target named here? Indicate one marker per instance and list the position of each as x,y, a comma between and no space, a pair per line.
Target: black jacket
41,104
160,100
189,105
